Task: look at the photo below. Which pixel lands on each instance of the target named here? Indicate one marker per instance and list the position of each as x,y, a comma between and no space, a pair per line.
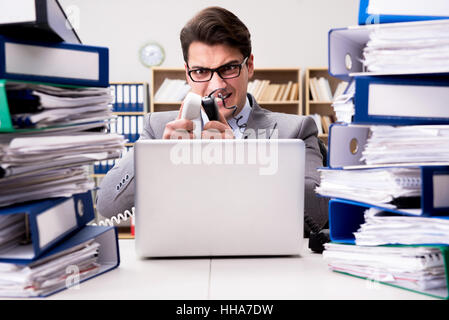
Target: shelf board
259,102
125,235
134,113
278,102
168,103
98,175
320,102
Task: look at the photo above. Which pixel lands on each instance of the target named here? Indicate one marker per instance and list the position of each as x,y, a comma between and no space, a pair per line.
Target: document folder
421,269
346,217
384,11
348,143
107,258
42,20
401,100
345,49
24,124
46,223
58,63
433,199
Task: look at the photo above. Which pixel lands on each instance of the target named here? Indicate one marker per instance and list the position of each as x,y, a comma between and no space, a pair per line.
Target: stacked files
420,269
388,168
52,166
416,47
407,144
401,229
39,106
87,253
55,108
422,47
390,187
389,247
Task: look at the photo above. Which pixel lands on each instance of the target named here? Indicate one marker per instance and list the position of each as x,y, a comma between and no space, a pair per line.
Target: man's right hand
179,128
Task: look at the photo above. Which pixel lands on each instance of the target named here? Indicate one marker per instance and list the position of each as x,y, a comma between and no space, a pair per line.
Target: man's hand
179,128
217,129
183,129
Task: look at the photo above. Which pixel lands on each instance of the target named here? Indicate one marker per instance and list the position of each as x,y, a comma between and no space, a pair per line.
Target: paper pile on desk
407,144
389,187
12,230
406,48
419,268
382,227
49,274
51,166
39,106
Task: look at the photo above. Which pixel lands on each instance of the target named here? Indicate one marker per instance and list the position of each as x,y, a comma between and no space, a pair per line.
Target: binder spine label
55,222
52,62
440,187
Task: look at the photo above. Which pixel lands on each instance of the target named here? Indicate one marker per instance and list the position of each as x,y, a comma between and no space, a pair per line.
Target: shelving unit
323,108
274,75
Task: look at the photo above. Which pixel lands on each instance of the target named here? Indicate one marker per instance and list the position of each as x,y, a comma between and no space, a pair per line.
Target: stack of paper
49,274
12,231
38,106
343,104
383,227
378,186
61,182
55,108
50,166
418,268
407,48
407,144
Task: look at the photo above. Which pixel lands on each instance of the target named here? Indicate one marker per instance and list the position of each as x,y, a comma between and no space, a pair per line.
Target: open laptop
219,197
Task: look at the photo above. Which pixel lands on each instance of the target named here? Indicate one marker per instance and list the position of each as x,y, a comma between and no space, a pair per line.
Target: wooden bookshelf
274,75
322,107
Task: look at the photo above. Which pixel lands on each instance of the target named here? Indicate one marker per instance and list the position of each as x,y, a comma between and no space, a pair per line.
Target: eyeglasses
227,71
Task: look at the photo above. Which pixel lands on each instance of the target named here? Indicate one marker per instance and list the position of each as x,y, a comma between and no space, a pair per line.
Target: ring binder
65,215
430,197
61,63
387,12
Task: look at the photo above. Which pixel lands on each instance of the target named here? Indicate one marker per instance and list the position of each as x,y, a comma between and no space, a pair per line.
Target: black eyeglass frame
217,70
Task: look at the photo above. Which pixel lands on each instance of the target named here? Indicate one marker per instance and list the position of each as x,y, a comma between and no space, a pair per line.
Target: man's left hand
217,129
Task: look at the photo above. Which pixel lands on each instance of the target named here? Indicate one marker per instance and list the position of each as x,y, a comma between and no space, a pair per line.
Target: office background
285,33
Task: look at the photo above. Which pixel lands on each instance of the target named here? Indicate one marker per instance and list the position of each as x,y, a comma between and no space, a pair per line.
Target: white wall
285,33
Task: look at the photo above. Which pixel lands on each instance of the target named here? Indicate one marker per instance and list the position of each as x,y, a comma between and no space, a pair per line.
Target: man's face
202,55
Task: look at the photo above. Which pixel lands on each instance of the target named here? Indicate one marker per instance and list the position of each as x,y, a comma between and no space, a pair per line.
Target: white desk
302,277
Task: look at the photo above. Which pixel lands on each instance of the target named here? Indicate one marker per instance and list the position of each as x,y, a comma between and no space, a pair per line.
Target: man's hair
215,25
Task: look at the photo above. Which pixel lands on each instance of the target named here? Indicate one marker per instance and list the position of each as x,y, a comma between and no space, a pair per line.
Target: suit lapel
258,125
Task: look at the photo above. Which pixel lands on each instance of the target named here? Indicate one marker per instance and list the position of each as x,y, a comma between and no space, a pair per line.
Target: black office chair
318,236
323,151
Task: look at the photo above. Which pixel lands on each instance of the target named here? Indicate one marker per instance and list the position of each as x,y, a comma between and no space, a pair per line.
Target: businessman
216,47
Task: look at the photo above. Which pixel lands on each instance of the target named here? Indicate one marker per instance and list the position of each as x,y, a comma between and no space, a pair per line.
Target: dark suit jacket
116,191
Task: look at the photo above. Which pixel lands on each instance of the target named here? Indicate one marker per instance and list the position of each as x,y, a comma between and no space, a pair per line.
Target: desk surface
300,277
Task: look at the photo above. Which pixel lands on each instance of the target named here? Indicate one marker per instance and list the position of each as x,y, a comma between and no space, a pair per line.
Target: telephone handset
193,102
